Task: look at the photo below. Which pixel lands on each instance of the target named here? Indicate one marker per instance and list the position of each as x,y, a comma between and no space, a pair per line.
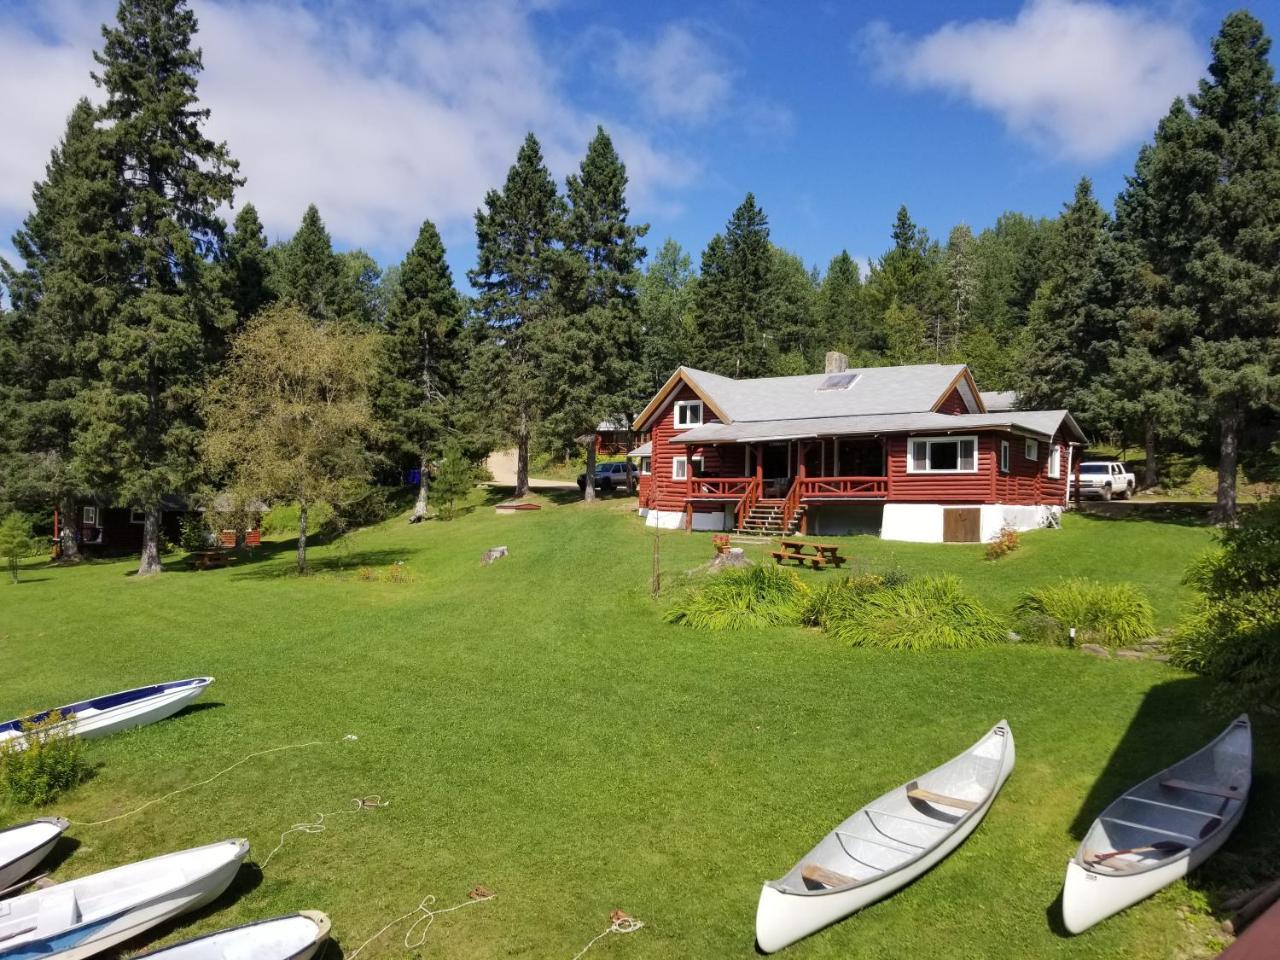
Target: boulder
1095,651
492,554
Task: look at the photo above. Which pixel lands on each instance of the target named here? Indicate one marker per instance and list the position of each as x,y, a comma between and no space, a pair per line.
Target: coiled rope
191,786
619,922
371,802
426,915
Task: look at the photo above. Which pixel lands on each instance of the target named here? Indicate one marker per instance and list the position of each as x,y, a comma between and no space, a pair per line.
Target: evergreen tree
1072,321
795,336
910,275
423,358
52,338
839,308
665,302
1215,175
361,297
311,275
247,265
590,357
168,320
517,233
961,262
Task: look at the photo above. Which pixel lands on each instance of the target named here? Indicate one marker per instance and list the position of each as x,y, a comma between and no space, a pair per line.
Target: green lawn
539,730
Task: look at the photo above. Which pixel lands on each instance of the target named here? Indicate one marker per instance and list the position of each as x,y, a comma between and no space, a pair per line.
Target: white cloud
379,124
679,76
1075,77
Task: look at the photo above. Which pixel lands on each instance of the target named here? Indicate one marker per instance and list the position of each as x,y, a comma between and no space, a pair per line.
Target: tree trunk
1228,461
589,488
150,562
302,536
420,507
1152,472
67,531
522,465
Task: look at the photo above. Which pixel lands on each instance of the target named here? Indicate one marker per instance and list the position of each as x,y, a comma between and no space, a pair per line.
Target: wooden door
961,524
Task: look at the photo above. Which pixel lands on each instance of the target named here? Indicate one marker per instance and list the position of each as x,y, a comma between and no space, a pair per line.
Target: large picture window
942,455
688,413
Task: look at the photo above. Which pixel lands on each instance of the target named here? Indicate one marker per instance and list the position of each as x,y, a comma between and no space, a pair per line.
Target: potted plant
721,542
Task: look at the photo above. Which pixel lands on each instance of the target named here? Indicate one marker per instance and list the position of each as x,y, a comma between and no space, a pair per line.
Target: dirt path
502,464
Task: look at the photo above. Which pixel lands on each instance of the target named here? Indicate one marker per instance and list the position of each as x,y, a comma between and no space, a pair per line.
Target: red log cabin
909,453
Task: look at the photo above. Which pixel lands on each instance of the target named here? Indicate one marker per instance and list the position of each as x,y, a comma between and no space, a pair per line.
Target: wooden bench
940,799
782,556
823,555
823,877
1212,790
210,559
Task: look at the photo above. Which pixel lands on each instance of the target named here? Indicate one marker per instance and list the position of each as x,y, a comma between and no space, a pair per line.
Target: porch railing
728,488
792,503
842,488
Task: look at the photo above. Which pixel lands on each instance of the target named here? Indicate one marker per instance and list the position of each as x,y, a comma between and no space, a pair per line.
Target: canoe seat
823,877
928,796
59,910
1230,793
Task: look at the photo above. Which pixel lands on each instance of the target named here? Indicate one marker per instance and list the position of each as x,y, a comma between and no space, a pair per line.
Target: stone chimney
837,362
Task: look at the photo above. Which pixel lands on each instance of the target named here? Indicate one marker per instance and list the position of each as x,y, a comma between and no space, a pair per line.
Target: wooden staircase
765,519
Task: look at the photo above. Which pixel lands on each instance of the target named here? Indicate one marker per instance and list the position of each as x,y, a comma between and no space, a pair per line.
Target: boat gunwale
1133,868
59,822
977,812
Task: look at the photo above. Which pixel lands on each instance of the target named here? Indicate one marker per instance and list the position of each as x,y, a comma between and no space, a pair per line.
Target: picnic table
824,554
210,559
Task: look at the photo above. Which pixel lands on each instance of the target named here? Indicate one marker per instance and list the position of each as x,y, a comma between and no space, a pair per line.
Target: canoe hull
295,937
782,918
45,833
85,938
118,711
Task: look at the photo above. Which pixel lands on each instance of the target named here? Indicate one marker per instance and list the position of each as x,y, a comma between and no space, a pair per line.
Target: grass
538,729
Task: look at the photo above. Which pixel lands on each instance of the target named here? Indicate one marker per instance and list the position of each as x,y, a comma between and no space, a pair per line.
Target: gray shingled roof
877,390
644,450
995,400
1043,423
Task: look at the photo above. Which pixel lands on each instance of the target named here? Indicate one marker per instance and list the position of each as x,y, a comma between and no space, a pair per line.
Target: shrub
455,478
834,597
929,614
1006,541
758,596
15,542
193,535
53,761
1111,614
1233,632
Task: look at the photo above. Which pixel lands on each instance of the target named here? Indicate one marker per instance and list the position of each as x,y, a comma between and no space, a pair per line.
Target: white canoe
295,937
79,918
23,847
117,711
886,844
1160,830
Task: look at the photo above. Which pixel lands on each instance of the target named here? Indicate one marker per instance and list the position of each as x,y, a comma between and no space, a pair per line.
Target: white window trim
683,461
137,516
1004,456
911,448
646,466
1055,462
89,516
1032,449
683,405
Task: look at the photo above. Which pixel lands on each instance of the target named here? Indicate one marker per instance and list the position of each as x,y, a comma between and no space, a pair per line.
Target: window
137,516
89,516
943,455
1033,450
645,465
1004,456
1055,462
688,413
679,468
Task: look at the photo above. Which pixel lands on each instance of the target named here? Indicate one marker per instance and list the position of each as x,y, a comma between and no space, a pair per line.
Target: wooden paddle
1160,846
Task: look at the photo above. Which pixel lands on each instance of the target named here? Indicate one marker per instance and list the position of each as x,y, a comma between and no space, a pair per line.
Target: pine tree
590,357
247,265
361,298
665,301
839,309
517,233
1072,320
423,358
910,275
961,261
142,423
795,337
53,336
311,275
1215,174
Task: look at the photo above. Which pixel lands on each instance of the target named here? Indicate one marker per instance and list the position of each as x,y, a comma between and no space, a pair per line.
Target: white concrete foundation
674,519
922,522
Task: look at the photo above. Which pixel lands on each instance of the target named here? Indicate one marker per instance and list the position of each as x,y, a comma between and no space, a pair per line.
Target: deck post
688,517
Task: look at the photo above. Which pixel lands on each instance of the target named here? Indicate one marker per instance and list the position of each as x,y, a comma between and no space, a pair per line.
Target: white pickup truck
1106,479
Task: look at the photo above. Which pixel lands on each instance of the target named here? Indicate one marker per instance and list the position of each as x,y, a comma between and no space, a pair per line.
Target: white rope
371,802
426,915
621,923
192,786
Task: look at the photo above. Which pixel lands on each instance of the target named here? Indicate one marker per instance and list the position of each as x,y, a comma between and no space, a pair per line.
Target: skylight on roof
837,381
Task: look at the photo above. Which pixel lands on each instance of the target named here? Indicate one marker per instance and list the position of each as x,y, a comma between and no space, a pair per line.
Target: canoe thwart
824,877
1163,847
1213,790
919,793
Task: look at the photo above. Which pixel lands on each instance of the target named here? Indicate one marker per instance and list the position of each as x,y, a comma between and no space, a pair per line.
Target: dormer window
688,413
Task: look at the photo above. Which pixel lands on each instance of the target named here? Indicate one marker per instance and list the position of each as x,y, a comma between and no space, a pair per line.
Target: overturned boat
114,711
885,845
1160,830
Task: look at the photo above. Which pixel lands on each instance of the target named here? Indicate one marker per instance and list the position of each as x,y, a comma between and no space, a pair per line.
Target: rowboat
1160,830
115,711
885,845
295,937
79,918
22,847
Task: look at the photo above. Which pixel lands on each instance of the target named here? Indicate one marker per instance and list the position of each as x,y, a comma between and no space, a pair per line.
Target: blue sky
831,113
